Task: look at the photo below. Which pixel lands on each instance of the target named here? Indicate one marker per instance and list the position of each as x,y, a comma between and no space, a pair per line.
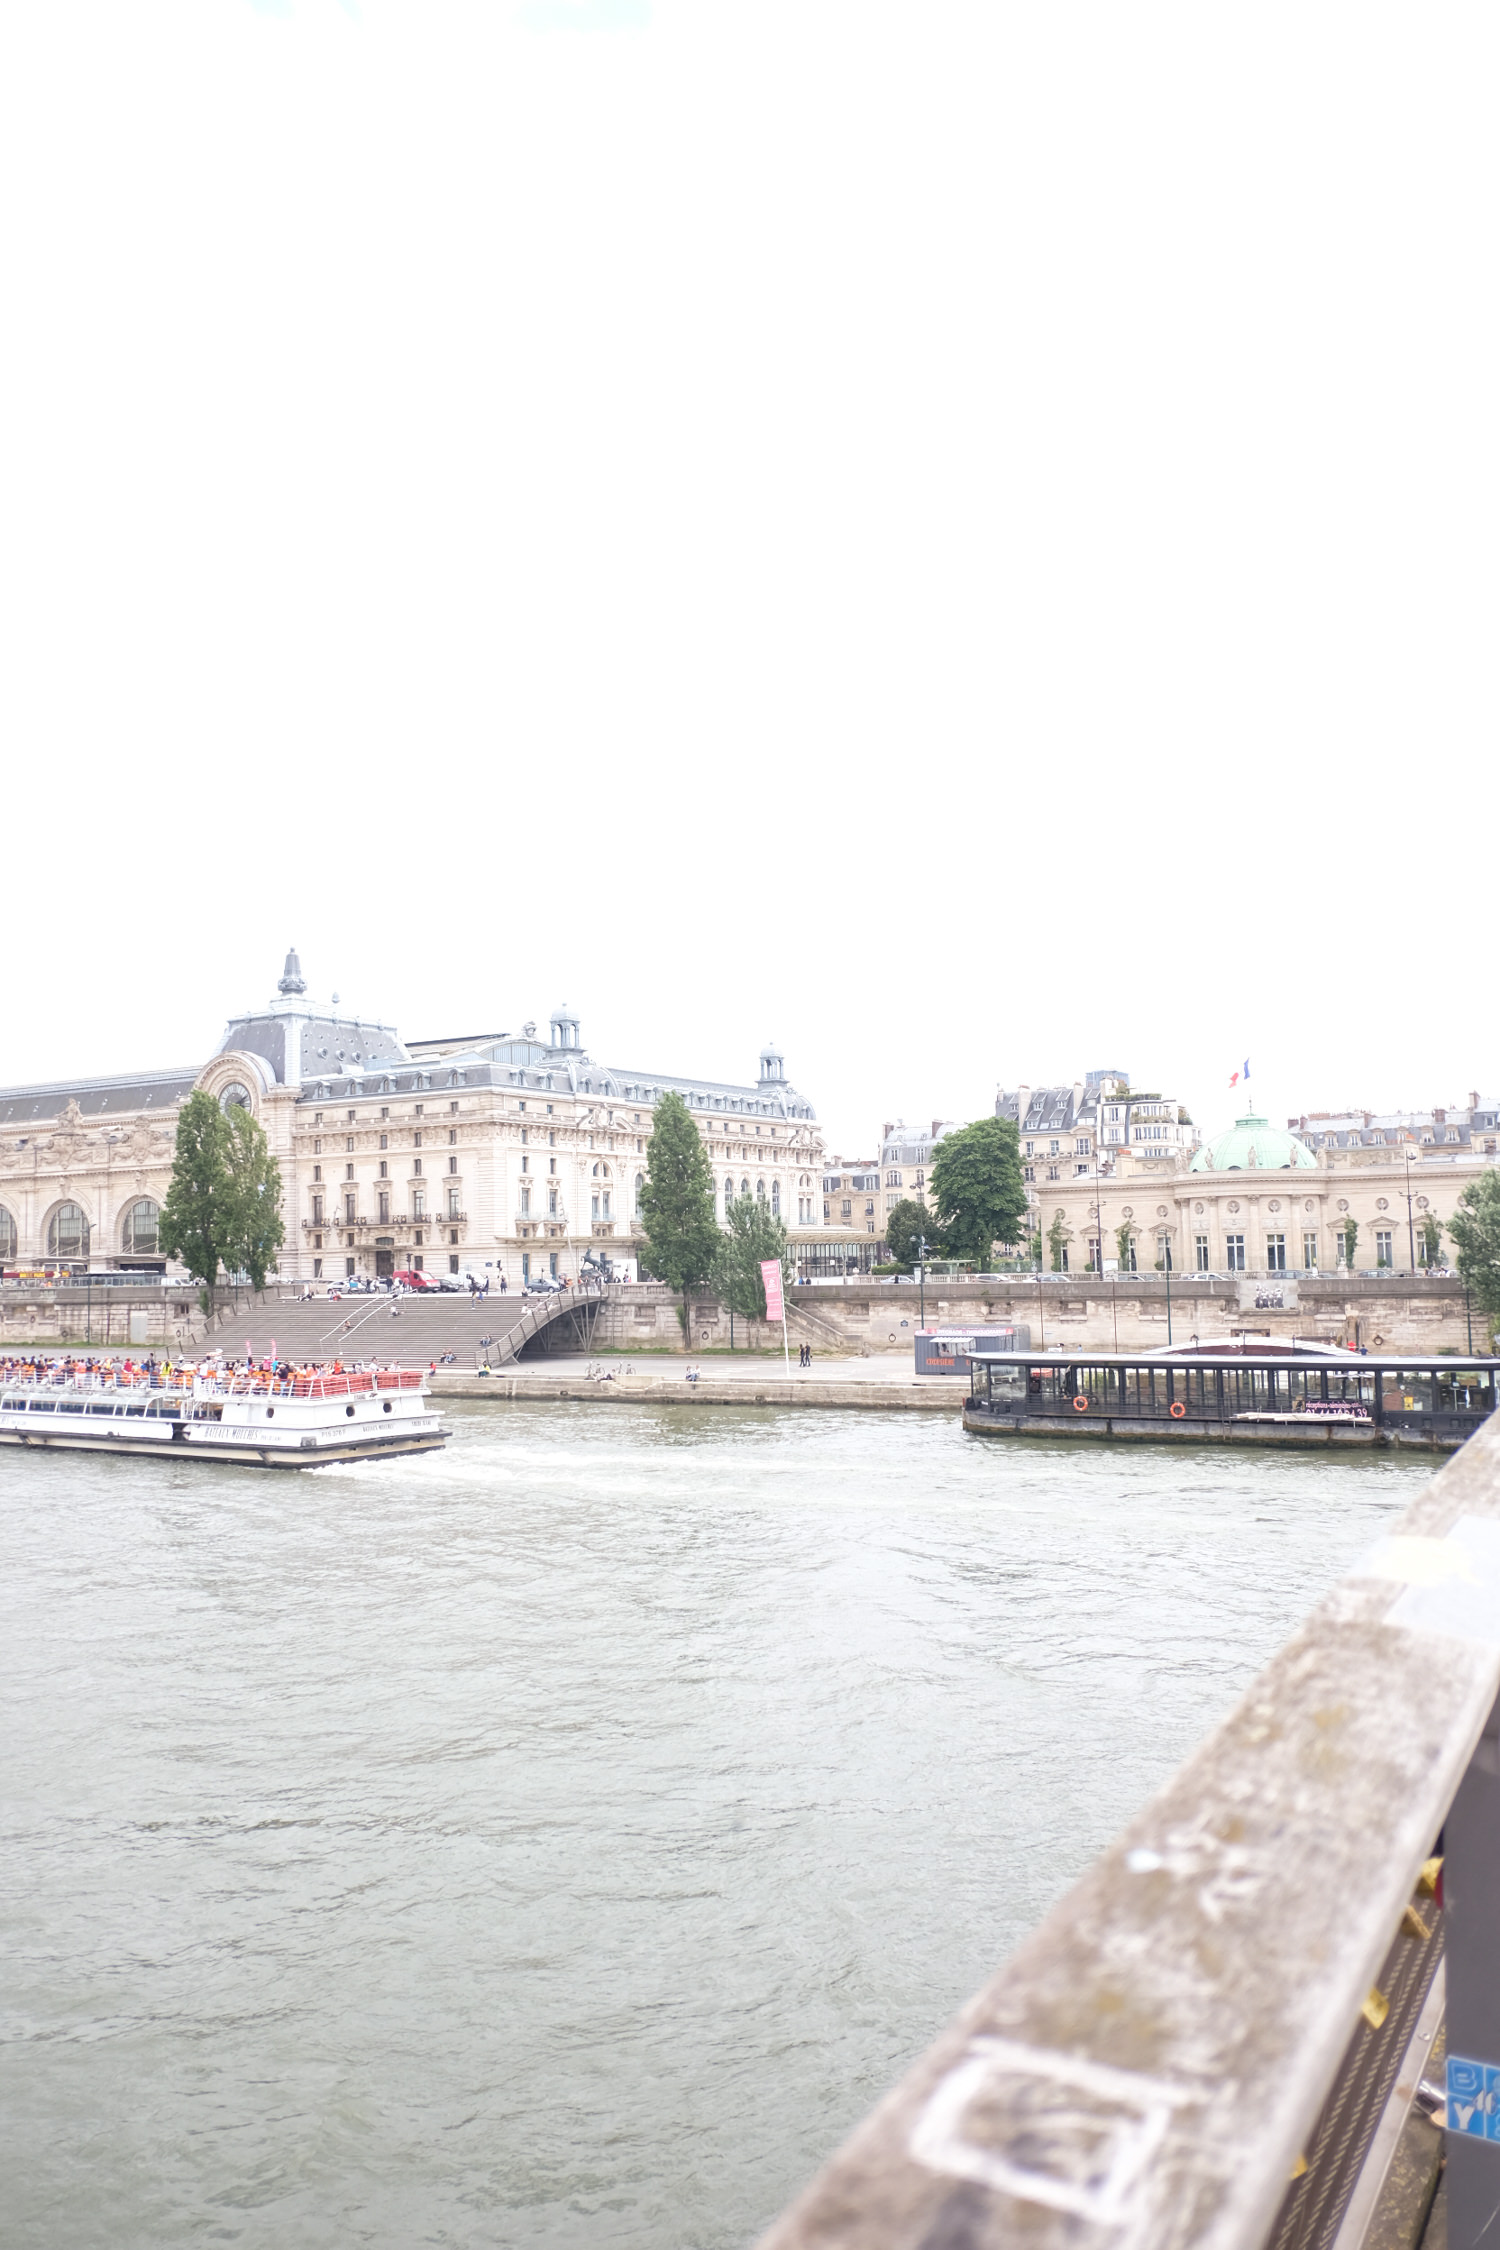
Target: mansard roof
1049,1109
96,1097
327,1055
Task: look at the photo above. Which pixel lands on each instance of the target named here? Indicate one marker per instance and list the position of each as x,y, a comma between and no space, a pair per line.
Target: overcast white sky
960,536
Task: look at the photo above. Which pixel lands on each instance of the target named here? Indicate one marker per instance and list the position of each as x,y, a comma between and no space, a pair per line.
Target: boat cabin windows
1444,1401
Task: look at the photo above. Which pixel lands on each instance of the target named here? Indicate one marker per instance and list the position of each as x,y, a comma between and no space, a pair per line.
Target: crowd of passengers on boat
252,1377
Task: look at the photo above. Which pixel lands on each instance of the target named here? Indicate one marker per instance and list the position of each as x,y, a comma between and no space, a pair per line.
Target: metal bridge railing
1149,2070
499,1351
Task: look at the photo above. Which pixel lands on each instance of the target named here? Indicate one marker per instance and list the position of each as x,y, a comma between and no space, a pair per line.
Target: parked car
411,1279
542,1285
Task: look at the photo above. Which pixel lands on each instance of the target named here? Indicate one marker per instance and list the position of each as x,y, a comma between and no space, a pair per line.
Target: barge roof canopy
1230,1355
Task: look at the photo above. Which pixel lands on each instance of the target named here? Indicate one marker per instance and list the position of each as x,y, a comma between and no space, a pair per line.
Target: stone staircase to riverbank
411,1328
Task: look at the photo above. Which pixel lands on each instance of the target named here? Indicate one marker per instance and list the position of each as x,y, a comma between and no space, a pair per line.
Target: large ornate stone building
1263,1201
497,1151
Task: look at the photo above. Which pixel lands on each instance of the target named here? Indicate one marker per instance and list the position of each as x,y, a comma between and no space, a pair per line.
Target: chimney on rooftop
1473,1101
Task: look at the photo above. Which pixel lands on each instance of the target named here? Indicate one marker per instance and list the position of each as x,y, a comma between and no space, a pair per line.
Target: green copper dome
1254,1144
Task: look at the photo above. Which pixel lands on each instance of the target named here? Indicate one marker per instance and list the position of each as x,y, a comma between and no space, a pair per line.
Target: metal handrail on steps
507,1346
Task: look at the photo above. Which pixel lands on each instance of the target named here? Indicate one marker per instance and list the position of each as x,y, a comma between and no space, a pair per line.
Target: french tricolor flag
1239,1074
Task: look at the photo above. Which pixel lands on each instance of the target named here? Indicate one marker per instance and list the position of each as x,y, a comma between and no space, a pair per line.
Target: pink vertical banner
770,1274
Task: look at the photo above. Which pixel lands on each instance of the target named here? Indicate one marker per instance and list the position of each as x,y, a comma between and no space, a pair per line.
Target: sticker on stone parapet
1451,1585
1473,2098
1059,2130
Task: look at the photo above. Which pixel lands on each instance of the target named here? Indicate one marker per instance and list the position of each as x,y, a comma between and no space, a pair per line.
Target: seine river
561,1841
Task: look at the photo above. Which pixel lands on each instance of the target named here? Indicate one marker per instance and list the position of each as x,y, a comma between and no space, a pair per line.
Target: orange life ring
1177,1410
1080,1404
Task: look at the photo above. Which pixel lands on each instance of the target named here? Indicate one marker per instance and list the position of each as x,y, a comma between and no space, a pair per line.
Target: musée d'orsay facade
504,1151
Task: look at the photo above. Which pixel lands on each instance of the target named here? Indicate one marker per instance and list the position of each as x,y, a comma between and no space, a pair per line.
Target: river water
563,1840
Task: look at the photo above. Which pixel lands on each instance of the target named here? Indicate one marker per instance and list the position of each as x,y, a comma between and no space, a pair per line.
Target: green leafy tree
682,1244
905,1228
1122,1247
752,1234
223,1204
1057,1236
978,1188
256,1231
1430,1235
1475,1229
1350,1232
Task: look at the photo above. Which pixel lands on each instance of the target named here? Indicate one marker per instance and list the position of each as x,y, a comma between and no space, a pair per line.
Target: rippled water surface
562,1840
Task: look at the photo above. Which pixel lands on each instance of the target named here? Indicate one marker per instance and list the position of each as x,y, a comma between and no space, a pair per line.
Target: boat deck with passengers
1250,1393
274,1416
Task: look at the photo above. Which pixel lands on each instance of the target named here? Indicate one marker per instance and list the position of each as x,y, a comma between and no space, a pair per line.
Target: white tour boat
289,1419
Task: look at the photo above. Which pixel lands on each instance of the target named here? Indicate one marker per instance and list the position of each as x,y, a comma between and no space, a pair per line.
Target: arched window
728,1196
640,1184
9,1239
760,1191
776,1198
138,1234
68,1233
744,1187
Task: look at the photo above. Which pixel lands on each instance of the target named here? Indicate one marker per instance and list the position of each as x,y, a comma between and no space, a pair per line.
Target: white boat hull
351,1419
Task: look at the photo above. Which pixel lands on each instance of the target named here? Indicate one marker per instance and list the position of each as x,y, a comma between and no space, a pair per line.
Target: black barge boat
1231,1393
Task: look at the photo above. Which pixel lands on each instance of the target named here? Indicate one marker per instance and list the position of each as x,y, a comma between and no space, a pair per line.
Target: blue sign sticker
1473,2098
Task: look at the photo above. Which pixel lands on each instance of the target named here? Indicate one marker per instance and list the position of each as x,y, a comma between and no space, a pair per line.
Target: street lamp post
922,1279
1411,1236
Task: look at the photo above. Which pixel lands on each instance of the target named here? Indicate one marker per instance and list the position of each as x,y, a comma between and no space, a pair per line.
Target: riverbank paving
870,1383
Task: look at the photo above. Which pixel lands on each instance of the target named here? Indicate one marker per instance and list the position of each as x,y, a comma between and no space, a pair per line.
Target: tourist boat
1237,1392
289,1419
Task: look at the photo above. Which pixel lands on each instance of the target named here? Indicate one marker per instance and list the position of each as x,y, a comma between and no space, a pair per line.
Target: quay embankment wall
1416,1313
668,1385
113,1319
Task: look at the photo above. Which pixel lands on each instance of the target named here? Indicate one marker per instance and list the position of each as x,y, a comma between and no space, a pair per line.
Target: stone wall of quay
114,1319
1417,1313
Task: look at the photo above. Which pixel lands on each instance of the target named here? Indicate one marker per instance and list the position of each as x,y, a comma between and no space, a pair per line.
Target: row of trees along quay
977,1189
223,1207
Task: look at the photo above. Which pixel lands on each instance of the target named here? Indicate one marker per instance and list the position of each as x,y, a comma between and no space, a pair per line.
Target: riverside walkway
886,1383
1215,2040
